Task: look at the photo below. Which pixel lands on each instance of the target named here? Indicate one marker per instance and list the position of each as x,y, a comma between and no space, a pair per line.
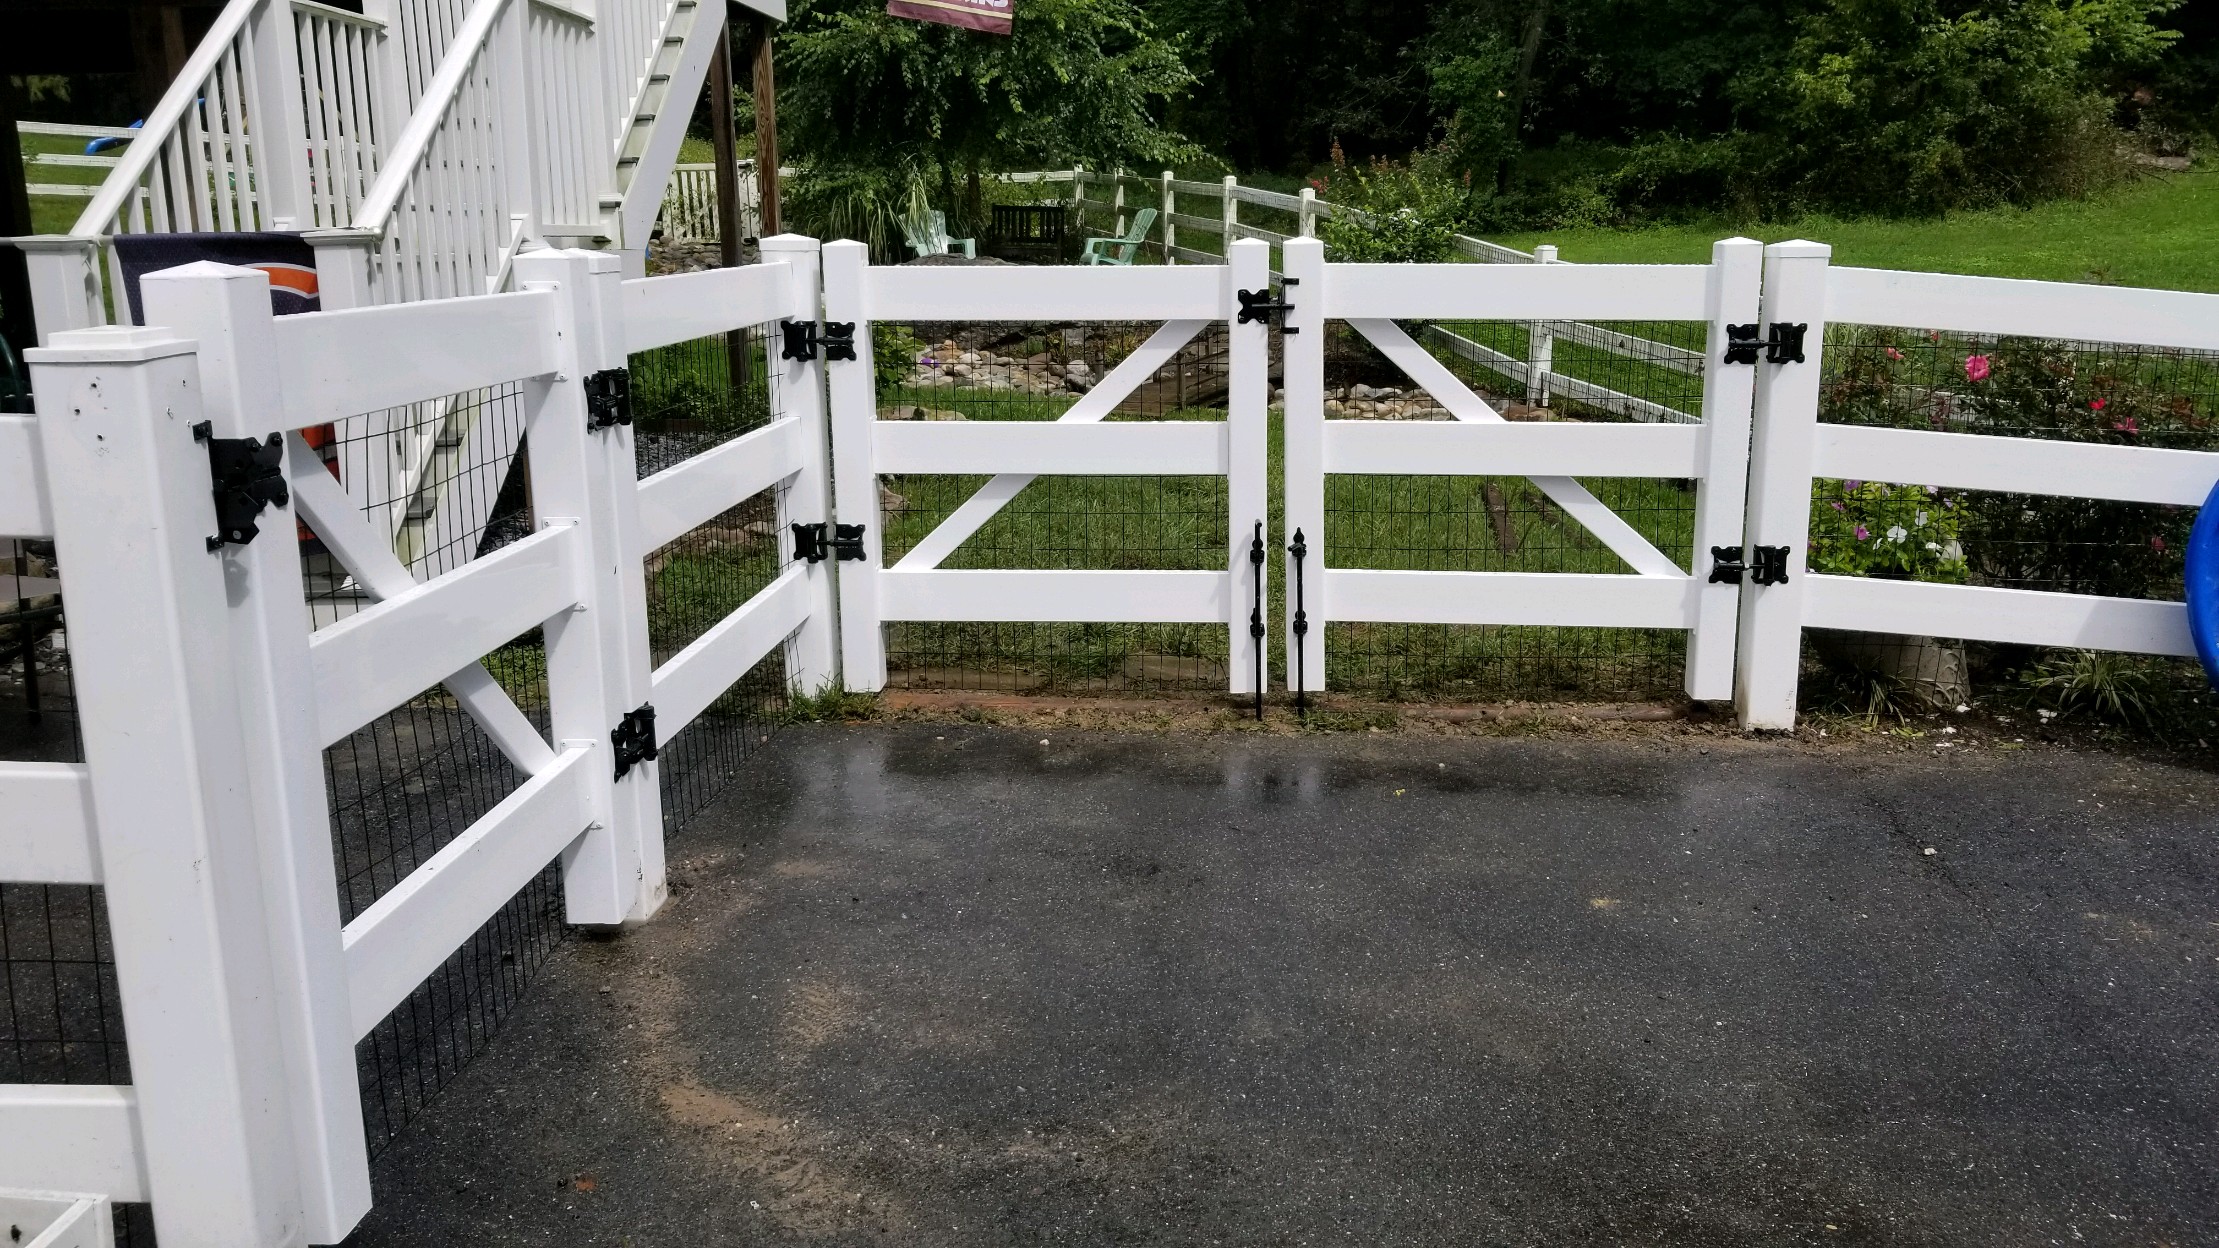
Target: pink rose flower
1894,354
2127,426
2158,544
1863,533
2095,405
1976,368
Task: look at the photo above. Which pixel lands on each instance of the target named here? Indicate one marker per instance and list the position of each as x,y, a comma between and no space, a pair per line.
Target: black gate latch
802,340
608,398
1726,565
1784,343
1742,342
1258,305
845,544
634,739
248,475
1771,567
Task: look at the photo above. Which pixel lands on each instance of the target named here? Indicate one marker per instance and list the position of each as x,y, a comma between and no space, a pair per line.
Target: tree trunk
1529,50
766,131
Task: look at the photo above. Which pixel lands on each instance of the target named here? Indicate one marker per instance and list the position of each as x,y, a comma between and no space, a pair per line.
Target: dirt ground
1532,980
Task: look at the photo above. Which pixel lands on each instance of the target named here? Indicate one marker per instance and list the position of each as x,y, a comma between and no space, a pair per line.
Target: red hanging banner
991,16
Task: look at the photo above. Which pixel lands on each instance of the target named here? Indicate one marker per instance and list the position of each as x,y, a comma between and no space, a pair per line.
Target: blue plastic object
106,141
2203,586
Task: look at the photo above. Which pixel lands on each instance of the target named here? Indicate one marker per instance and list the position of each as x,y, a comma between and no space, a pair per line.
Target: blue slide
2203,586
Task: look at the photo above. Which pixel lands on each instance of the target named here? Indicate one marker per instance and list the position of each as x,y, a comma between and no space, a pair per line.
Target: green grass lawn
52,214
2162,231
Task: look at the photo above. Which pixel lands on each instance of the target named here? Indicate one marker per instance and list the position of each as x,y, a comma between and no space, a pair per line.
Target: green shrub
893,353
1411,214
1871,528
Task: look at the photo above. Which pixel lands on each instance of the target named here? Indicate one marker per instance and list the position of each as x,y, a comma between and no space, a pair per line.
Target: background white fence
208,696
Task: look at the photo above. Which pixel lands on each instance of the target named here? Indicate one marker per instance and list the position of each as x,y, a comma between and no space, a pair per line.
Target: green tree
1922,105
879,110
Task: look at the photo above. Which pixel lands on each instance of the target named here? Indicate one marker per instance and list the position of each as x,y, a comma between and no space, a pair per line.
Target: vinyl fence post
1230,215
170,781
1170,231
1540,345
1307,215
597,653
797,389
227,310
1736,274
1117,200
1247,478
1078,200
65,283
1781,455
854,389
1304,456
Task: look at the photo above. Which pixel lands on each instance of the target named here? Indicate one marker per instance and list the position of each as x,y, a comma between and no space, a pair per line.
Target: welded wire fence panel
1506,524
1018,371
689,398
443,482
2011,387
61,1019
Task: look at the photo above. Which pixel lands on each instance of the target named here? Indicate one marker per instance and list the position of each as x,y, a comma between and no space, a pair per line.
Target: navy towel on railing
290,262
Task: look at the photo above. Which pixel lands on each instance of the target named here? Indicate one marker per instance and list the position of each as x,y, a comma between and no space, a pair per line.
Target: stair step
644,119
627,160
652,79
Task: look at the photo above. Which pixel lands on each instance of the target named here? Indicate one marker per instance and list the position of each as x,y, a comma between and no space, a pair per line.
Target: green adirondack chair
928,236
1120,250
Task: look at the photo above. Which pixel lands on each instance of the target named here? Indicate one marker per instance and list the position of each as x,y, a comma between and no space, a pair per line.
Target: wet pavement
948,985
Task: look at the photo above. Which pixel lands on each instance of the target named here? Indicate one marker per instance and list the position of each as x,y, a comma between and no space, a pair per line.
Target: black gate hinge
1771,566
247,474
633,739
1726,565
1742,342
845,544
802,340
608,398
1258,305
1783,344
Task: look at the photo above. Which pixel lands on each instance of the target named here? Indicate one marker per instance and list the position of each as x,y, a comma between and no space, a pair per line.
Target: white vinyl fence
207,696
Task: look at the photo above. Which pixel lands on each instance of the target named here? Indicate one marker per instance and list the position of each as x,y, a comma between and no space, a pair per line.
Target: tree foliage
879,109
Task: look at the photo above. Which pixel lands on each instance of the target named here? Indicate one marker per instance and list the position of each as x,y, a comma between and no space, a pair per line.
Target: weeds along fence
334,804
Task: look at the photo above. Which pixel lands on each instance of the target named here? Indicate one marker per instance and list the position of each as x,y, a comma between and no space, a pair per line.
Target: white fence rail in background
1535,375
690,204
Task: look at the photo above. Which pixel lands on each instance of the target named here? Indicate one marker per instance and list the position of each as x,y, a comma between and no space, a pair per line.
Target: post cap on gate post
110,344
1799,249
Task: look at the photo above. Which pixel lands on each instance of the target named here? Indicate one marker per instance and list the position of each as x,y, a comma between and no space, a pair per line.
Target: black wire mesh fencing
1614,373
2102,394
690,398
1014,371
443,482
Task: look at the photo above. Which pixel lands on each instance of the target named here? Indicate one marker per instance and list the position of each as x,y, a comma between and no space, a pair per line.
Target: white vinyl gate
1658,593
1081,441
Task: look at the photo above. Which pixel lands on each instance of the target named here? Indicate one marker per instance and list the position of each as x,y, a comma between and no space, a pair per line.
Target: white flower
1897,533
1919,521
1934,546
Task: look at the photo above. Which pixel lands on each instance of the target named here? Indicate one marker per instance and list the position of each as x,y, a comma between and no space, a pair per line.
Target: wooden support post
727,174
766,132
